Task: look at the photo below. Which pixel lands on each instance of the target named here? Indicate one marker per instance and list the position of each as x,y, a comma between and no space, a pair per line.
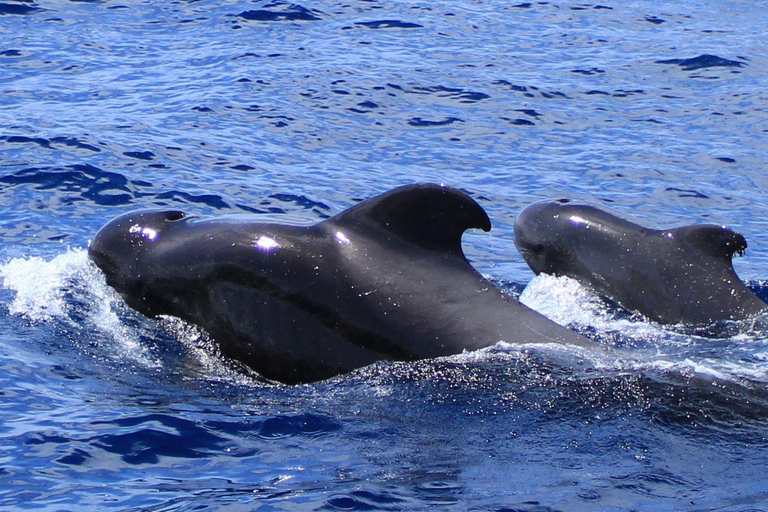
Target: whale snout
534,227
118,247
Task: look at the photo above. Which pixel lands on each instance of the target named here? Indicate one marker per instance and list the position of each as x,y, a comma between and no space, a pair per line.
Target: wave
69,289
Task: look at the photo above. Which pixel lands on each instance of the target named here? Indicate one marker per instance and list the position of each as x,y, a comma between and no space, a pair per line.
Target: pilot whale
682,275
386,279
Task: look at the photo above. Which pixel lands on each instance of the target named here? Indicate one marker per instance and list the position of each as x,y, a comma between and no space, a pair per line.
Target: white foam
205,353
70,289
562,300
38,283
566,302
656,347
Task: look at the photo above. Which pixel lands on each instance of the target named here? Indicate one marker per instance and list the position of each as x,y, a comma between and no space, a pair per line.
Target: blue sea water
297,111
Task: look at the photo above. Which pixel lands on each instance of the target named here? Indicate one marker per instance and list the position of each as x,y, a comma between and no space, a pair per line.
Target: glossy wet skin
680,275
386,279
120,250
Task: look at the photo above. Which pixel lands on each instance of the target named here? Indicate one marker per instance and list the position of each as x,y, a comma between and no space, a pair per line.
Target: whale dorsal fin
430,216
718,241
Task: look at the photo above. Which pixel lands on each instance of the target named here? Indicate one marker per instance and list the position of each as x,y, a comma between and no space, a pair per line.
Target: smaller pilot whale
681,275
384,280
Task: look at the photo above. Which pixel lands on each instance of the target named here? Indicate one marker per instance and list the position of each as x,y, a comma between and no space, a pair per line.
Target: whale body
681,275
384,280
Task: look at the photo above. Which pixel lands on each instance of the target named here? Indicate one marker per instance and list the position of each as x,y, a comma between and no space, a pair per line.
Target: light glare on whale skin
266,243
342,238
146,232
575,219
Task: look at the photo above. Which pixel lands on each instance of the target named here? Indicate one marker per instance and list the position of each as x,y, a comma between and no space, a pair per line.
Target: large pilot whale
384,280
681,275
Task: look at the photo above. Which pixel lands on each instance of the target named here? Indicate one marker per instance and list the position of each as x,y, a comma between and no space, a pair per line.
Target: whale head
123,248
539,234
563,237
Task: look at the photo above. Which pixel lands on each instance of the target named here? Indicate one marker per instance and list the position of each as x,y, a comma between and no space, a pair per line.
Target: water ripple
703,62
292,12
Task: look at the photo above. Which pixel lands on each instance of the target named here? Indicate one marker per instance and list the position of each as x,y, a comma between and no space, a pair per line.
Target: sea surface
296,111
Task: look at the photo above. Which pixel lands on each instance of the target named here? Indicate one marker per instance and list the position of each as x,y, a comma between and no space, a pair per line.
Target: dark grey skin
672,276
384,280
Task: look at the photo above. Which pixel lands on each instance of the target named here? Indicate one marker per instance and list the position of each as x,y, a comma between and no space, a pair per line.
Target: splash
39,284
647,346
564,301
205,358
71,290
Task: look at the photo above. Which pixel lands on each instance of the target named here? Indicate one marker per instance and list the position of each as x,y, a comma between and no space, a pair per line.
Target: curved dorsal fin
717,241
429,216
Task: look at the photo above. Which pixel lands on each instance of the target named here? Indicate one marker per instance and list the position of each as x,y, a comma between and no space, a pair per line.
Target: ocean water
656,110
